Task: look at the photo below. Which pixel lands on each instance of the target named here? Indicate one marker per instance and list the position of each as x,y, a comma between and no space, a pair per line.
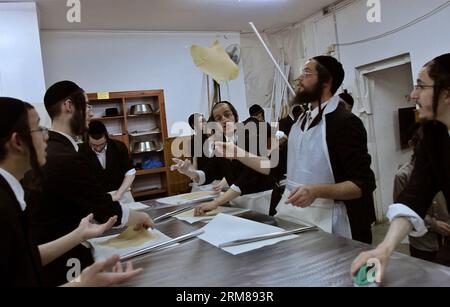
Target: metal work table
313,259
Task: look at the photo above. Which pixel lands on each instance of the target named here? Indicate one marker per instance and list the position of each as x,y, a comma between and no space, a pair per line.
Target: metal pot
140,109
146,146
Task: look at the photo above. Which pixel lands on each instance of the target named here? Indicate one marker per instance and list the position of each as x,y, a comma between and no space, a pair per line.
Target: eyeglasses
421,87
305,73
42,130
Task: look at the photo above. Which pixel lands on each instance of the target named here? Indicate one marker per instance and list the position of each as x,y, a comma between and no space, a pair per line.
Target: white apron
309,164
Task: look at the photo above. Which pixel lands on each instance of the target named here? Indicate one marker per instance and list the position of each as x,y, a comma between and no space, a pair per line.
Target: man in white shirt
109,159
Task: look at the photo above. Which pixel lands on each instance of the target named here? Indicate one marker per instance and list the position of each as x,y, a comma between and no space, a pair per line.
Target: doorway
388,85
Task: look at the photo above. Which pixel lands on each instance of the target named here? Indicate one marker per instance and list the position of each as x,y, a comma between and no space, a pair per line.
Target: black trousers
443,256
424,255
362,234
275,198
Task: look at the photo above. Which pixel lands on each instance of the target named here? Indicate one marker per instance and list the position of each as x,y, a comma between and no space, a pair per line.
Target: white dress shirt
311,115
71,139
16,187
101,156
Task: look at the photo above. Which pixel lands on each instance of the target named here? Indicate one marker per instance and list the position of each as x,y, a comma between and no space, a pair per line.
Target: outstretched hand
88,229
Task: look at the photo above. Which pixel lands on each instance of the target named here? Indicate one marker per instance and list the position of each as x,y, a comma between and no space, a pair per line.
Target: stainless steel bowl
146,146
139,109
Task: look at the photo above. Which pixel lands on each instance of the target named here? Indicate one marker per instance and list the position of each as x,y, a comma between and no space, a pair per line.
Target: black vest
117,164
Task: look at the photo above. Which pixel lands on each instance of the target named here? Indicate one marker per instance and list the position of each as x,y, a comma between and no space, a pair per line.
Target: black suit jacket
198,153
20,261
431,172
347,147
70,191
118,162
248,180
253,133
285,125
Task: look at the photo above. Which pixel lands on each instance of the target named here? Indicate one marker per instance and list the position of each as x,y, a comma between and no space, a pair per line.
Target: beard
310,95
78,122
34,178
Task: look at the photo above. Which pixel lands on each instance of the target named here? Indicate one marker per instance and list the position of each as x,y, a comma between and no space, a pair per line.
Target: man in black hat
22,147
109,159
329,180
70,190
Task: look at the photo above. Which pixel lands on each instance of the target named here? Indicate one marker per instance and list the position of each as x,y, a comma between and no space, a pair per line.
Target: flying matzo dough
214,61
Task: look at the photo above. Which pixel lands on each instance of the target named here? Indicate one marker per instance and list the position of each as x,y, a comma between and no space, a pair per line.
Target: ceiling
178,15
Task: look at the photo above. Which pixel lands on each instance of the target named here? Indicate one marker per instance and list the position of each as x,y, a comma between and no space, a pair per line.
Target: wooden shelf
109,118
147,152
151,171
149,192
143,115
104,101
128,122
144,133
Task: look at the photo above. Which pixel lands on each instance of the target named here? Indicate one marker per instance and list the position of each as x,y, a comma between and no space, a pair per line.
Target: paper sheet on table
189,217
187,198
126,242
225,228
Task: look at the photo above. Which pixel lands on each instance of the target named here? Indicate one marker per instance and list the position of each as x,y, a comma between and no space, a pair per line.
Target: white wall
390,86
259,69
422,41
21,71
125,61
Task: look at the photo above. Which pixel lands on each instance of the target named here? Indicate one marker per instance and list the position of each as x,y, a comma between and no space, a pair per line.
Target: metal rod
162,245
209,94
267,236
172,213
291,89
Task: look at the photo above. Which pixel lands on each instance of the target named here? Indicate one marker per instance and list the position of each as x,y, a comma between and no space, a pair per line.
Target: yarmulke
335,69
11,110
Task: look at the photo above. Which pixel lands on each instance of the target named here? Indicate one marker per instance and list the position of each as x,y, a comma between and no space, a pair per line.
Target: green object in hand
360,279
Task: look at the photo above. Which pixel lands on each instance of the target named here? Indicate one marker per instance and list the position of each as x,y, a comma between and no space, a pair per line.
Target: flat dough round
130,238
214,212
190,213
195,195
